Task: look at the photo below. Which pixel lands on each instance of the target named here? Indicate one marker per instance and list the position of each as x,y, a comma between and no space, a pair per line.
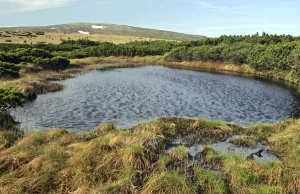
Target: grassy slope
55,38
108,160
110,29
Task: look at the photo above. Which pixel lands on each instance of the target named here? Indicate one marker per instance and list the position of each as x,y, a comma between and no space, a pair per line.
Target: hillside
91,29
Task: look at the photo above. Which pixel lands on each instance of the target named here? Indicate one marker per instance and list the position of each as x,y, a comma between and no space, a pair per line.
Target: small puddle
227,148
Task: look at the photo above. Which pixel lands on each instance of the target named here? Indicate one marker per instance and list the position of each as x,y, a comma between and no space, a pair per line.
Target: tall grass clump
208,131
244,175
208,181
244,141
167,182
179,157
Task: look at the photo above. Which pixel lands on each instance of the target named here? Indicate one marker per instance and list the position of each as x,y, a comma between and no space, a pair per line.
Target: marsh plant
136,160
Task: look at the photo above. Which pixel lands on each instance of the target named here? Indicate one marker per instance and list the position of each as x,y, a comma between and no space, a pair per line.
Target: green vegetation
10,98
40,57
9,69
273,55
81,48
278,54
109,160
9,130
54,63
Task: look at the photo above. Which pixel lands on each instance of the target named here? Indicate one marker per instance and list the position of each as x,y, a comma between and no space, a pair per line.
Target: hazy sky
208,17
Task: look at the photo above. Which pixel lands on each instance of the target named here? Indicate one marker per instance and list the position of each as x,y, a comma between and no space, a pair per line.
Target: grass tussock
178,158
208,131
250,176
167,182
209,159
104,128
208,181
244,141
33,84
262,130
108,160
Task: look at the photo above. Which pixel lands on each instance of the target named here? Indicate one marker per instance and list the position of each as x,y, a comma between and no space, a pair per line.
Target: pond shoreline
244,69
33,83
128,96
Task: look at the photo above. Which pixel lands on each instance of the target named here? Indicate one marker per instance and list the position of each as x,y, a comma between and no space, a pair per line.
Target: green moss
164,160
262,189
212,154
102,140
208,181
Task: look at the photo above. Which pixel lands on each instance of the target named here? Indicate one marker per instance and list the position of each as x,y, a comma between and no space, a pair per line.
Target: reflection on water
226,148
132,95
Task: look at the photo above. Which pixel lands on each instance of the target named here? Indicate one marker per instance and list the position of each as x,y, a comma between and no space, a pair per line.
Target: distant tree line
42,54
262,52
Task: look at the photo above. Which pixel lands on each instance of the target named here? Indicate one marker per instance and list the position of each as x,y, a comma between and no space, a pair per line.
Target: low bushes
9,128
55,63
9,98
9,69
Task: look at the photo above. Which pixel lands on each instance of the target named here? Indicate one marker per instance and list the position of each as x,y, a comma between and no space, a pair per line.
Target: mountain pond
128,96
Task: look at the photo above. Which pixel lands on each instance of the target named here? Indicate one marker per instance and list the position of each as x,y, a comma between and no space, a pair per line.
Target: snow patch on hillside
82,32
98,27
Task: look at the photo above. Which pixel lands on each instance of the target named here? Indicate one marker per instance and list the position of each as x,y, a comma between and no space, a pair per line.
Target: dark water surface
131,95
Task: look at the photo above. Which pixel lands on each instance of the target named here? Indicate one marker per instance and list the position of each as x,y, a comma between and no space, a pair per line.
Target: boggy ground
135,160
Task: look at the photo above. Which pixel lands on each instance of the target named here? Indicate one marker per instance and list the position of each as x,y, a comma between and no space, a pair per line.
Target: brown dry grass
55,38
108,160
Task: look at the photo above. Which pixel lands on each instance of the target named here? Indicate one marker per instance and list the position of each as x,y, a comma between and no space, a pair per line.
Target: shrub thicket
9,69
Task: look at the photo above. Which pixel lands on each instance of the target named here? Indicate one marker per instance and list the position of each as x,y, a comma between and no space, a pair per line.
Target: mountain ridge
107,29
